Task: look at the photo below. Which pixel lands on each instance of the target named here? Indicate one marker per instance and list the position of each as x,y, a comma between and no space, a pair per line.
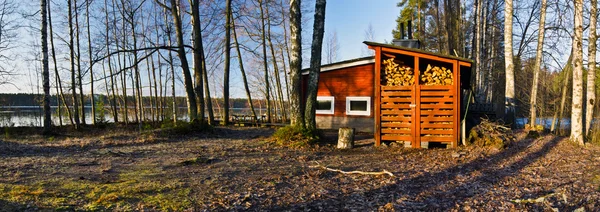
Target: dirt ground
238,169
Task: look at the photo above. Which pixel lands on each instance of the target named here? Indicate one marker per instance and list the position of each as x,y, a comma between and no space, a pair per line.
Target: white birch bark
536,68
591,76
576,107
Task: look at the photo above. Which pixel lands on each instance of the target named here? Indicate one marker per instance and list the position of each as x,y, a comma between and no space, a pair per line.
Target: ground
239,169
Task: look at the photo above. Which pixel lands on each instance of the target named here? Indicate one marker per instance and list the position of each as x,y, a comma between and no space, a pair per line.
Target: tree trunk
173,97
227,60
198,58
315,65
79,76
59,89
536,67
72,61
110,70
244,78
590,99
509,98
264,51
558,115
275,67
208,100
45,69
576,107
189,88
345,138
296,109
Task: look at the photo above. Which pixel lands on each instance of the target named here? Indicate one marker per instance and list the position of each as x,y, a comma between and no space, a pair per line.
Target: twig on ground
353,172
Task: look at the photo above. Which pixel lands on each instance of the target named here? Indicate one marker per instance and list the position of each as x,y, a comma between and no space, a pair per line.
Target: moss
132,190
295,136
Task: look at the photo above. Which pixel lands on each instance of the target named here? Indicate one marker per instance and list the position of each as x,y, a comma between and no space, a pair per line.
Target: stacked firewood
398,74
435,75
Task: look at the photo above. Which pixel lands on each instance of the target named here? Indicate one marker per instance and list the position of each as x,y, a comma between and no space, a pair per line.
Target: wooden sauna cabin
417,95
401,94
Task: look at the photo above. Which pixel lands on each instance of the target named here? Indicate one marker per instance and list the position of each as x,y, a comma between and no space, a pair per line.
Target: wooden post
346,138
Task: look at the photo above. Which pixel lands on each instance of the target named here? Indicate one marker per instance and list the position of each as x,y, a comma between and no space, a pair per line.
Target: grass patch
294,136
133,191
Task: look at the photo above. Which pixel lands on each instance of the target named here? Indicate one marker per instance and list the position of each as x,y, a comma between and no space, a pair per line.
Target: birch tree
536,67
45,67
509,99
576,107
297,117
315,64
590,99
72,62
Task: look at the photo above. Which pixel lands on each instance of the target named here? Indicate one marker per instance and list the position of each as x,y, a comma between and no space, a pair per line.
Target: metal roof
417,51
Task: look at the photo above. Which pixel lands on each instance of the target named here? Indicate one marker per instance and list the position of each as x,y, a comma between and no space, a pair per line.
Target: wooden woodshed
417,95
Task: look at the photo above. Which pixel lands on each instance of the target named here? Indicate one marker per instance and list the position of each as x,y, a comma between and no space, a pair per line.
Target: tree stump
345,138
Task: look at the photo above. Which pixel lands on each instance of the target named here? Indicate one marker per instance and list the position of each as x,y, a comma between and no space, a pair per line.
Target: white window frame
326,98
358,98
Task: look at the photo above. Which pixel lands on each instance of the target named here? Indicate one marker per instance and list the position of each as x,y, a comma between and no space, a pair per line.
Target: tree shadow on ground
429,190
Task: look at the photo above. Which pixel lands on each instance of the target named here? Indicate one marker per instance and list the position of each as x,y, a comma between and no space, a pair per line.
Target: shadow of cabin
425,190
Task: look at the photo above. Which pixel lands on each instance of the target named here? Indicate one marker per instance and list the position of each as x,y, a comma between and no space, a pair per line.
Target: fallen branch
354,172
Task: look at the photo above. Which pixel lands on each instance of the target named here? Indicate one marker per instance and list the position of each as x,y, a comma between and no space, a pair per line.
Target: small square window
325,104
358,105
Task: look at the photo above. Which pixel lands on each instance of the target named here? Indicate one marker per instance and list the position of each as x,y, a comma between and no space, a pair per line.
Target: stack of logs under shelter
434,102
398,74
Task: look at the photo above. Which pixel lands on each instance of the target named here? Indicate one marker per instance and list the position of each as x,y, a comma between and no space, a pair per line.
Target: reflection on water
33,115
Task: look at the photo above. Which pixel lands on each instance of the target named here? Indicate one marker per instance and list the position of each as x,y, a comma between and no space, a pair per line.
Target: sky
350,19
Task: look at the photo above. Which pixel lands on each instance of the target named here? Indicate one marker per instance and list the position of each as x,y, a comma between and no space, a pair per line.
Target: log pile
397,74
435,75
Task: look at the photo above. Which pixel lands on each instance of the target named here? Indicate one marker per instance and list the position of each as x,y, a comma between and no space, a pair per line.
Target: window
325,104
358,105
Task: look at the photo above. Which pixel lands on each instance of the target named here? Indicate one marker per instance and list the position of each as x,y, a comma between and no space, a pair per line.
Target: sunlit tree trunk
198,58
264,51
509,99
296,109
315,65
72,61
576,107
45,68
590,99
92,98
227,62
278,89
244,78
79,76
59,90
536,67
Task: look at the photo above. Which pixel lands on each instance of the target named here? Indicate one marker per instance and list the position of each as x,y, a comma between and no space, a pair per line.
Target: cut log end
345,138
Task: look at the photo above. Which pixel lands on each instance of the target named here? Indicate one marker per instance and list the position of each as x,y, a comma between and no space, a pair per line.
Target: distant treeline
23,99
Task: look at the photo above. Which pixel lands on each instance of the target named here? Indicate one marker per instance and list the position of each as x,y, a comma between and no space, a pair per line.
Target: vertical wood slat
456,89
417,100
377,96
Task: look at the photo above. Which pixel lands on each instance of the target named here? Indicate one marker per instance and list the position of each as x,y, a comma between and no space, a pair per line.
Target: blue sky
350,18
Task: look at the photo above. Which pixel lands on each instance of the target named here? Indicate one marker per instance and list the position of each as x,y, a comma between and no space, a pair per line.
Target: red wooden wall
340,83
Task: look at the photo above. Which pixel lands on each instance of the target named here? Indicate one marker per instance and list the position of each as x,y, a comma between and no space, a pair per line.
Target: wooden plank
436,119
398,125
437,132
437,106
437,87
377,84
436,93
395,106
396,138
456,106
432,99
395,100
437,112
437,125
396,112
395,131
417,111
397,93
437,138
393,88
388,118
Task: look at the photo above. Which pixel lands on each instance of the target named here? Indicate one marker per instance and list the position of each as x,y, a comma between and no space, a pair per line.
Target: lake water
33,115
